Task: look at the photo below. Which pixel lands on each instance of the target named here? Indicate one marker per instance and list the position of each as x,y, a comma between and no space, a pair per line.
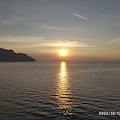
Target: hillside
11,56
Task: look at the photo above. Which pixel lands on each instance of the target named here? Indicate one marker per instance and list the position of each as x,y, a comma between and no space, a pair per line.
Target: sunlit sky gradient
88,29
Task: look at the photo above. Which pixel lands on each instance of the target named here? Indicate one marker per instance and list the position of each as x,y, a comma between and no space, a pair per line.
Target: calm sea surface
59,90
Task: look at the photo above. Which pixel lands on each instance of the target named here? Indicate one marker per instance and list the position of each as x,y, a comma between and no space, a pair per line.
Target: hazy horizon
88,30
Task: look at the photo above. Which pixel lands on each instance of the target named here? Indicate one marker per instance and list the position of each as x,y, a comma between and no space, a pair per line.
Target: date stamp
104,113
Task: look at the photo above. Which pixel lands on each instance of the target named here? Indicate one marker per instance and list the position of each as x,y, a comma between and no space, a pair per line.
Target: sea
59,91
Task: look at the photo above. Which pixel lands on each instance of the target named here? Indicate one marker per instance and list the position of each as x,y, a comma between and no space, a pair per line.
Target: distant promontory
11,56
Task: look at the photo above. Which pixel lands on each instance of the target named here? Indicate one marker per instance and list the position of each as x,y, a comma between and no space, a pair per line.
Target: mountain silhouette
11,56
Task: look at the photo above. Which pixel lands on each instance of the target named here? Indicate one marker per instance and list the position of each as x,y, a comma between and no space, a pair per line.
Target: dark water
59,90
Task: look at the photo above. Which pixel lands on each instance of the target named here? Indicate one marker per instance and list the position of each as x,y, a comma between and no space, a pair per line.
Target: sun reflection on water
63,91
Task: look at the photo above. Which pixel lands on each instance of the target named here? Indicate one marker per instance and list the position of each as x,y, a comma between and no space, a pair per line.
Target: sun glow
63,52
63,93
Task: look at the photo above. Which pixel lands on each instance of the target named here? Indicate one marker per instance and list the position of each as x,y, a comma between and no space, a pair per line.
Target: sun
63,52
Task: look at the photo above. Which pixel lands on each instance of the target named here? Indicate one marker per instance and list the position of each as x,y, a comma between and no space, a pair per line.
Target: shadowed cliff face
11,56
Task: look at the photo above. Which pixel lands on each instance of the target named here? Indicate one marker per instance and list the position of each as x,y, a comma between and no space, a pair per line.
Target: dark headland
11,56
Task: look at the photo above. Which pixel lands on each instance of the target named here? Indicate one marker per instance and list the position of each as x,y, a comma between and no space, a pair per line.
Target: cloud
115,41
19,41
36,42
11,21
4,22
64,43
45,26
80,16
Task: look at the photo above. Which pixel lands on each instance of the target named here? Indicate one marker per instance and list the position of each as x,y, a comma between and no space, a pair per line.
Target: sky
88,29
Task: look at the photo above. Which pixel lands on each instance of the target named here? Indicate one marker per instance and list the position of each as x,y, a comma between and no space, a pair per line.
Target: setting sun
63,52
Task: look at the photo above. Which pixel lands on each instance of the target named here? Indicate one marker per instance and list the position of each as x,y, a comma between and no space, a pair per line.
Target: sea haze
59,90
